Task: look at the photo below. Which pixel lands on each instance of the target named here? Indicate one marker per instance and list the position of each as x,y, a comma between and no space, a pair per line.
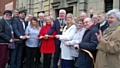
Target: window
108,5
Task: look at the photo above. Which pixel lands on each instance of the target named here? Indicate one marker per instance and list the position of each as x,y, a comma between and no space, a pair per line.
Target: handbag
11,45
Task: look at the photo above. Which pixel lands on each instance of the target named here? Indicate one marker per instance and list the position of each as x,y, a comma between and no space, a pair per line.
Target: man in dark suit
89,43
94,17
103,23
41,18
19,26
58,26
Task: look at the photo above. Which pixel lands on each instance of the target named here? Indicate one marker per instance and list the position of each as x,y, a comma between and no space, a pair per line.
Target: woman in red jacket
48,45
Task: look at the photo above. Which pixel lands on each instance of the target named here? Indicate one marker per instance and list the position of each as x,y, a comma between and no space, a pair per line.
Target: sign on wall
9,6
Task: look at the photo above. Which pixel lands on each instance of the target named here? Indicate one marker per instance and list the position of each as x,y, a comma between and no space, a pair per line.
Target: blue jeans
16,54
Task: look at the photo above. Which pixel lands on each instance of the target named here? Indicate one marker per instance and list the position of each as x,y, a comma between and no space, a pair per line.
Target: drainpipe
119,5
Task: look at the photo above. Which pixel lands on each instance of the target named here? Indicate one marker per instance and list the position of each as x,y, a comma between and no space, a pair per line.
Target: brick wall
3,3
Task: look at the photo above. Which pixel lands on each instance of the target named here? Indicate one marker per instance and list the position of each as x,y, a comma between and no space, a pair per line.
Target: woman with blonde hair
108,55
67,35
47,44
32,42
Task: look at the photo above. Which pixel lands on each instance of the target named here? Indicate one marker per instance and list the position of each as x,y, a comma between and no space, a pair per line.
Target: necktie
11,45
41,23
62,22
23,24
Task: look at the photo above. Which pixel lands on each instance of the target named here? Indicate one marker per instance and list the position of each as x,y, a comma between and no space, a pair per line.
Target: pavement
41,65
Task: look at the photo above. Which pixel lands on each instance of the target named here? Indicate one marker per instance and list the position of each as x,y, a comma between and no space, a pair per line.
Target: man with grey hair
95,18
58,26
83,15
89,44
103,23
41,18
108,54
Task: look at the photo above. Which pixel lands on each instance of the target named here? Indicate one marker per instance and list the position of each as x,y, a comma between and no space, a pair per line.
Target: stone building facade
71,6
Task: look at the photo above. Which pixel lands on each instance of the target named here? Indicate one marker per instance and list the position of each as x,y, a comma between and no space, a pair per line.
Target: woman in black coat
5,37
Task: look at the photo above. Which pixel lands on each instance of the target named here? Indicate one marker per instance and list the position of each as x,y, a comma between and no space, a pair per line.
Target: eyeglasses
8,14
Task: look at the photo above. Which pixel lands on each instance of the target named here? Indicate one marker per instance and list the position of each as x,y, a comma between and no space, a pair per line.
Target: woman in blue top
32,42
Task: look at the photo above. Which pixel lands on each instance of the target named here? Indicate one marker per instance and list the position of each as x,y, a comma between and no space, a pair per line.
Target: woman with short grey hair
108,55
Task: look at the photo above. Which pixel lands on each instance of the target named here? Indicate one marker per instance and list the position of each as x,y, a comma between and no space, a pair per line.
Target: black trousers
37,58
56,55
30,54
23,56
47,60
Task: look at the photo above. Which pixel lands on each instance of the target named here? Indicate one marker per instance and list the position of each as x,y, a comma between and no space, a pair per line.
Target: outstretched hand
91,10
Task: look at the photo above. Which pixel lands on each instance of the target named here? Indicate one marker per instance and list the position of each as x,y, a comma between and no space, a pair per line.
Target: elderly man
103,23
89,43
58,26
41,18
83,15
95,20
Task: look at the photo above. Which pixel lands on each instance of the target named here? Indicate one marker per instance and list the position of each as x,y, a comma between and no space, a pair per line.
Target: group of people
84,42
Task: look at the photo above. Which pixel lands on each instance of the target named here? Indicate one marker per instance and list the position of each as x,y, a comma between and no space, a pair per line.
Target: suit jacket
5,32
18,28
97,25
55,27
108,55
102,28
89,42
26,23
41,23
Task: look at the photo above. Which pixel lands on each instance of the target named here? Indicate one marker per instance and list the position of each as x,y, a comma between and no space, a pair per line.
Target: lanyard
9,24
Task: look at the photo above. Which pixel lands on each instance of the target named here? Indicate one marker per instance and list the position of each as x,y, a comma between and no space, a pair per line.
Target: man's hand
11,40
23,37
66,44
27,36
40,37
76,46
46,36
57,36
91,10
